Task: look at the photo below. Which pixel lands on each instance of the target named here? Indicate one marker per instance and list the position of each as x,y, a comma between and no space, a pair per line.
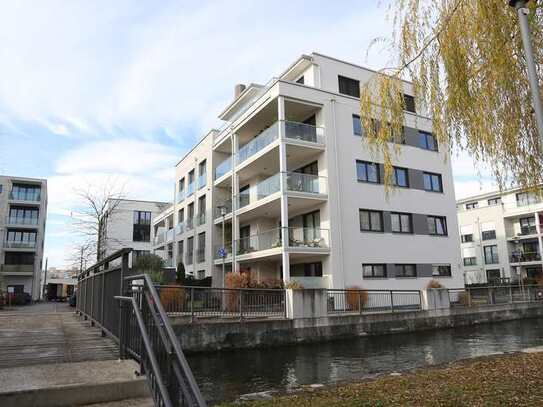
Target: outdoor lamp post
522,13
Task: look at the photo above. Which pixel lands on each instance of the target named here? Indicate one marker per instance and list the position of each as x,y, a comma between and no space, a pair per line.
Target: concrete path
49,333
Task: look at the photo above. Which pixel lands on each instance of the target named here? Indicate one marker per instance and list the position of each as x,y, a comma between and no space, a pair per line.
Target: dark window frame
409,103
493,257
348,86
401,270
488,235
373,267
470,261
395,176
410,222
434,219
443,270
357,125
366,165
466,240
424,143
432,176
370,212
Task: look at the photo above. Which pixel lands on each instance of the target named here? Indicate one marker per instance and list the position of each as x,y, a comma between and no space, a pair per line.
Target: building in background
301,197
128,224
501,236
23,213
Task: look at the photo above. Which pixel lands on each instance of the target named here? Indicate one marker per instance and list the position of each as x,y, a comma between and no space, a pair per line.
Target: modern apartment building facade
501,236
128,224
301,195
23,213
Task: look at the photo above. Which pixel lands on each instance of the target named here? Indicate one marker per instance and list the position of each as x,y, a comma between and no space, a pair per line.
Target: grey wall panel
424,270
416,179
387,224
420,224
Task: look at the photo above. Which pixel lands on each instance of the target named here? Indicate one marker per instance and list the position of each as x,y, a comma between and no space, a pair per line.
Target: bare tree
81,254
90,220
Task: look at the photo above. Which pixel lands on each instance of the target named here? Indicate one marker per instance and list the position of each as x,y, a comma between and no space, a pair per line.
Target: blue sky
101,89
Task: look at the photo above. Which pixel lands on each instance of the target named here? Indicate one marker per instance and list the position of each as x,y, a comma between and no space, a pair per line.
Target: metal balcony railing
528,230
223,168
11,244
299,237
525,257
22,220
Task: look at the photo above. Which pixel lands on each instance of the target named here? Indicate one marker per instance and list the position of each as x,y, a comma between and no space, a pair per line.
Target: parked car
73,299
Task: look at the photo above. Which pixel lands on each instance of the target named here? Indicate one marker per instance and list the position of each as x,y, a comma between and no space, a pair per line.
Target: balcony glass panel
202,181
298,182
223,168
170,235
22,220
200,219
227,208
180,228
201,255
304,132
180,196
12,244
190,189
190,224
298,237
268,187
25,194
308,237
264,139
525,257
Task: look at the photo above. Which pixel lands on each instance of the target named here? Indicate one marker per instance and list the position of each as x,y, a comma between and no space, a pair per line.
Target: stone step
140,402
72,384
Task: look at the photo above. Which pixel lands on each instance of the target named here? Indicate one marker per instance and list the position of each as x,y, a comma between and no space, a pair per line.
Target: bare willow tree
98,203
466,63
81,254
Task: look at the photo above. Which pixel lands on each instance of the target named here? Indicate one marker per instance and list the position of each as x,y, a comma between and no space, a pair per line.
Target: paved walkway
49,333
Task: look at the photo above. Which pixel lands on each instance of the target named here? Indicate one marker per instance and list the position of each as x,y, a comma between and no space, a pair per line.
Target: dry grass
505,380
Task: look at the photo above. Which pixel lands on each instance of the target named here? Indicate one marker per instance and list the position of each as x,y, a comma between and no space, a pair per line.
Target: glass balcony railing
268,186
304,132
202,181
189,257
31,195
22,220
264,139
313,184
13,244
525,257
160,237
170,234
180,196
200,219
299,237
189,224
190,189
227,205
179,228
223,168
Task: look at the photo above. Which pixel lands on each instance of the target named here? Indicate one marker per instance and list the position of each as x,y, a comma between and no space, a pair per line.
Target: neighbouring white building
23,212
128,224
301,196
501,236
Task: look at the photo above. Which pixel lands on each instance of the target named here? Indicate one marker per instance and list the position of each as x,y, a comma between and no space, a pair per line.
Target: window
441,270
466,238
348,86
432,182
22,238
180,249
201,274
357,125
142,226
406,270
371,221
427,141
491,254
19,258
492,275
374,270
401,222
301,80
138,253
202,178
367,172
437,225
202,210
488,235
201,247
494,201
182,184
527,226
527,198
190,250
22,192
472,205
1,188
23,215
306,270
409,103
400,177
470,261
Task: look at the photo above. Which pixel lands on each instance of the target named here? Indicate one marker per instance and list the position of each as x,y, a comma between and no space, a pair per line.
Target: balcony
180,196
160,237
291,130
227,205
223,168
307,183
525,257
190,189
299,238
200,219
22,220
202,181
28,195
170,234
10,244
179,228
528,230
18,268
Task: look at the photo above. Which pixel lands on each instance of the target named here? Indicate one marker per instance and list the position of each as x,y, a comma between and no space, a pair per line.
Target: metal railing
525,257
128,309
223,168
494,295
12,244
364,301
235,303
22,220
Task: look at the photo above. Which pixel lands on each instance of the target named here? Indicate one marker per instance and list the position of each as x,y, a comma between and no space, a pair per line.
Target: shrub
180,274
433,283
356,298
294,285
173,299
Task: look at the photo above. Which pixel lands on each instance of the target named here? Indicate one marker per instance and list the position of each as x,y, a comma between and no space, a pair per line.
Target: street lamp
522,13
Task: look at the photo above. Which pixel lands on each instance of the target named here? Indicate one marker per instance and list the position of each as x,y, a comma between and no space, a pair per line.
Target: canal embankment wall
209,335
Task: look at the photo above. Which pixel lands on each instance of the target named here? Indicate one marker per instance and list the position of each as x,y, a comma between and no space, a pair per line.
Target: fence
240,303
477,296
363,301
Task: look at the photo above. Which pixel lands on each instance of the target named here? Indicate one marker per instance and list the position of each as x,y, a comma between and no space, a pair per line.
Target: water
226,375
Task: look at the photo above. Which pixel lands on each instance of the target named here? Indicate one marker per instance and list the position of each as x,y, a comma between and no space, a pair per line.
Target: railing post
285,303
468,291
391,301
192,305
240,304
121,332
511,294
490,299
102,296
91,313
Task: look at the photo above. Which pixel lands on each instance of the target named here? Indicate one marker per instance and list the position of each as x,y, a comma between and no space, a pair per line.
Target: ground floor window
441,270
374,270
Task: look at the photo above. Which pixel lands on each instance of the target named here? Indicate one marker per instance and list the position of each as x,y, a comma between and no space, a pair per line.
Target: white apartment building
302,197
128,224
501,236
23,212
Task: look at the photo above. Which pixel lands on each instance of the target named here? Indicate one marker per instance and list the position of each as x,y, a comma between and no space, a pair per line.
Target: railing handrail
148,348
217,288
280,228
369,290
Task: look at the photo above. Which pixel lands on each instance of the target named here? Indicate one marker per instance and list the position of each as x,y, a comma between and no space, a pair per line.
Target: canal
224,376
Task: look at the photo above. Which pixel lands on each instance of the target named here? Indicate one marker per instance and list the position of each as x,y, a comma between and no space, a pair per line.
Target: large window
371,221
202,174
527,198
142,226
437,225
527,226
349,86
427,141
488,235
472,205
401,222
21,236
467,238
400,177
470,261
367,172
491,254
406,270
201,247
409,103
374,270
441,270
16,258
21,192
432,182
306,270
23,215
494,201
357,125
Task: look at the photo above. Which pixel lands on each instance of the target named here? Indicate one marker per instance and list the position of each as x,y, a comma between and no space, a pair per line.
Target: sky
92,91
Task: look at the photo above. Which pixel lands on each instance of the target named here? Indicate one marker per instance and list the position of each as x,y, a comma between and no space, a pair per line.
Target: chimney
238,90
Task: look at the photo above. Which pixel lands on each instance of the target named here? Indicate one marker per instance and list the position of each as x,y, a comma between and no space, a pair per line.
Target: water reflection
226,375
